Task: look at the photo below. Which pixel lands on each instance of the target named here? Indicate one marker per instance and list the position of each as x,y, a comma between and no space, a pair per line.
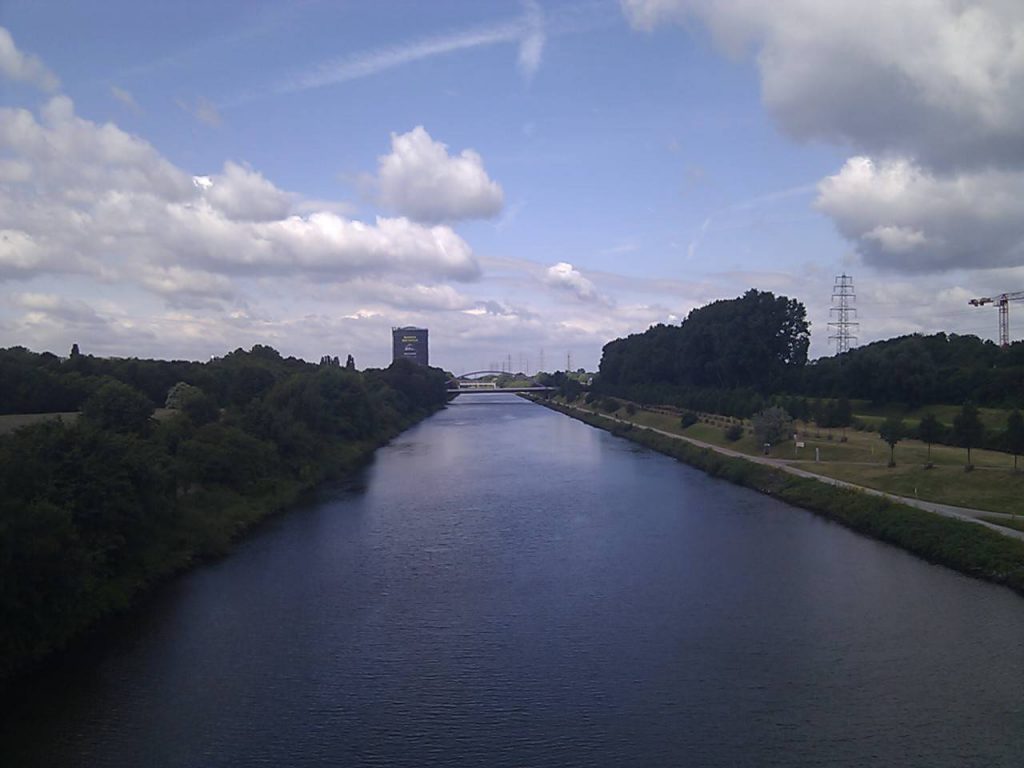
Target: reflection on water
513,588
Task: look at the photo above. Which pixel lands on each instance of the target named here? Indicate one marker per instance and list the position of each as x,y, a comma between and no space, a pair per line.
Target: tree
967,429
192,401
892,431
74,351
177,394
772,425
350,363
118,407
929,430
752,342
1015,435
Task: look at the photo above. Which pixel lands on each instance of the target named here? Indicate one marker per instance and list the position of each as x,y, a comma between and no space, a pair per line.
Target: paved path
946,510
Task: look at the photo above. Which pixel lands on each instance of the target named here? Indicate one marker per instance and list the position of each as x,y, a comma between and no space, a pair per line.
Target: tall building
410,344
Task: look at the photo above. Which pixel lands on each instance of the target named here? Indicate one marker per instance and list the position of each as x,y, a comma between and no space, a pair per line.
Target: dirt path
946,510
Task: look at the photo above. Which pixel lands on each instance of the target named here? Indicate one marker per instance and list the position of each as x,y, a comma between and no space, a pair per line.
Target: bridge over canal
466,384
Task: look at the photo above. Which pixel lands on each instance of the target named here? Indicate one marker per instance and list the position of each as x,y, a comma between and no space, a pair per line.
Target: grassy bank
967,547
207,521
861,457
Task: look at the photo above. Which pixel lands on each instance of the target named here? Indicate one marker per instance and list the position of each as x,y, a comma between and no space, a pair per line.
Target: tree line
94,510
738,356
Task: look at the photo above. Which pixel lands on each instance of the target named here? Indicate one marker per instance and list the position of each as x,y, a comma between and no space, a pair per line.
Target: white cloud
96,199
22,67
903,217
929,92
415,297
419,179
526,31
185,287
938,81
242,194
19,253
566,277
58,307
531,49
896,239
126,98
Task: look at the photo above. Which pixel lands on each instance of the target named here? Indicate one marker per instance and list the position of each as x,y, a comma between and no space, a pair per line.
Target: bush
688,420
734,433
630,409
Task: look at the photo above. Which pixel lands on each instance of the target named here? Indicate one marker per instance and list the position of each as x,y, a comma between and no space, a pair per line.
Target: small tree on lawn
1015,435
892,431
929,430
772,425
968,430
843,414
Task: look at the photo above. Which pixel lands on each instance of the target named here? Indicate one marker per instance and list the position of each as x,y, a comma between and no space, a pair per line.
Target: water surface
509,587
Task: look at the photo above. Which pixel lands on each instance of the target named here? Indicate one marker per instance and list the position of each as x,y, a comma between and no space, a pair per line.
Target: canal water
509,587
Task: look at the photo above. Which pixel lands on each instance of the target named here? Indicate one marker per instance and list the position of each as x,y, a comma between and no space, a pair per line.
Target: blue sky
180,179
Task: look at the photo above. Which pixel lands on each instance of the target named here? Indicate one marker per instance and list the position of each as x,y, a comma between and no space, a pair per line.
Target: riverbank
204,524
967,547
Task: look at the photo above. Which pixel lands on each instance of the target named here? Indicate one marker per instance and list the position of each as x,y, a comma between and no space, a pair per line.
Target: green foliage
688,419
968,430
752,342
733,432
118,407
892,431
833,413
930,431
1015,435
92,513
918,370
568,385
772,425
225,455
192,401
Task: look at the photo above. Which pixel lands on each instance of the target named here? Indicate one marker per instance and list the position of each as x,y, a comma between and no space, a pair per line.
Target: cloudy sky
527,179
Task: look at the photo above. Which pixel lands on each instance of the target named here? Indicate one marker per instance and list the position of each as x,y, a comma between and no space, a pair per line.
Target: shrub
688,420
734,433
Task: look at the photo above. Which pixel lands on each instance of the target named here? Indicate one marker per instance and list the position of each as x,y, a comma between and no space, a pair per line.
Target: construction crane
1003,302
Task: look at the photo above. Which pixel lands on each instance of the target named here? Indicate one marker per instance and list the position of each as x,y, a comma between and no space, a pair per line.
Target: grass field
873,415
863,458
12,421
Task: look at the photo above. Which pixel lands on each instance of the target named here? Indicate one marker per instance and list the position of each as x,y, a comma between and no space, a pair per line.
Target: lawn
873,415
989,489
12,421
863,458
